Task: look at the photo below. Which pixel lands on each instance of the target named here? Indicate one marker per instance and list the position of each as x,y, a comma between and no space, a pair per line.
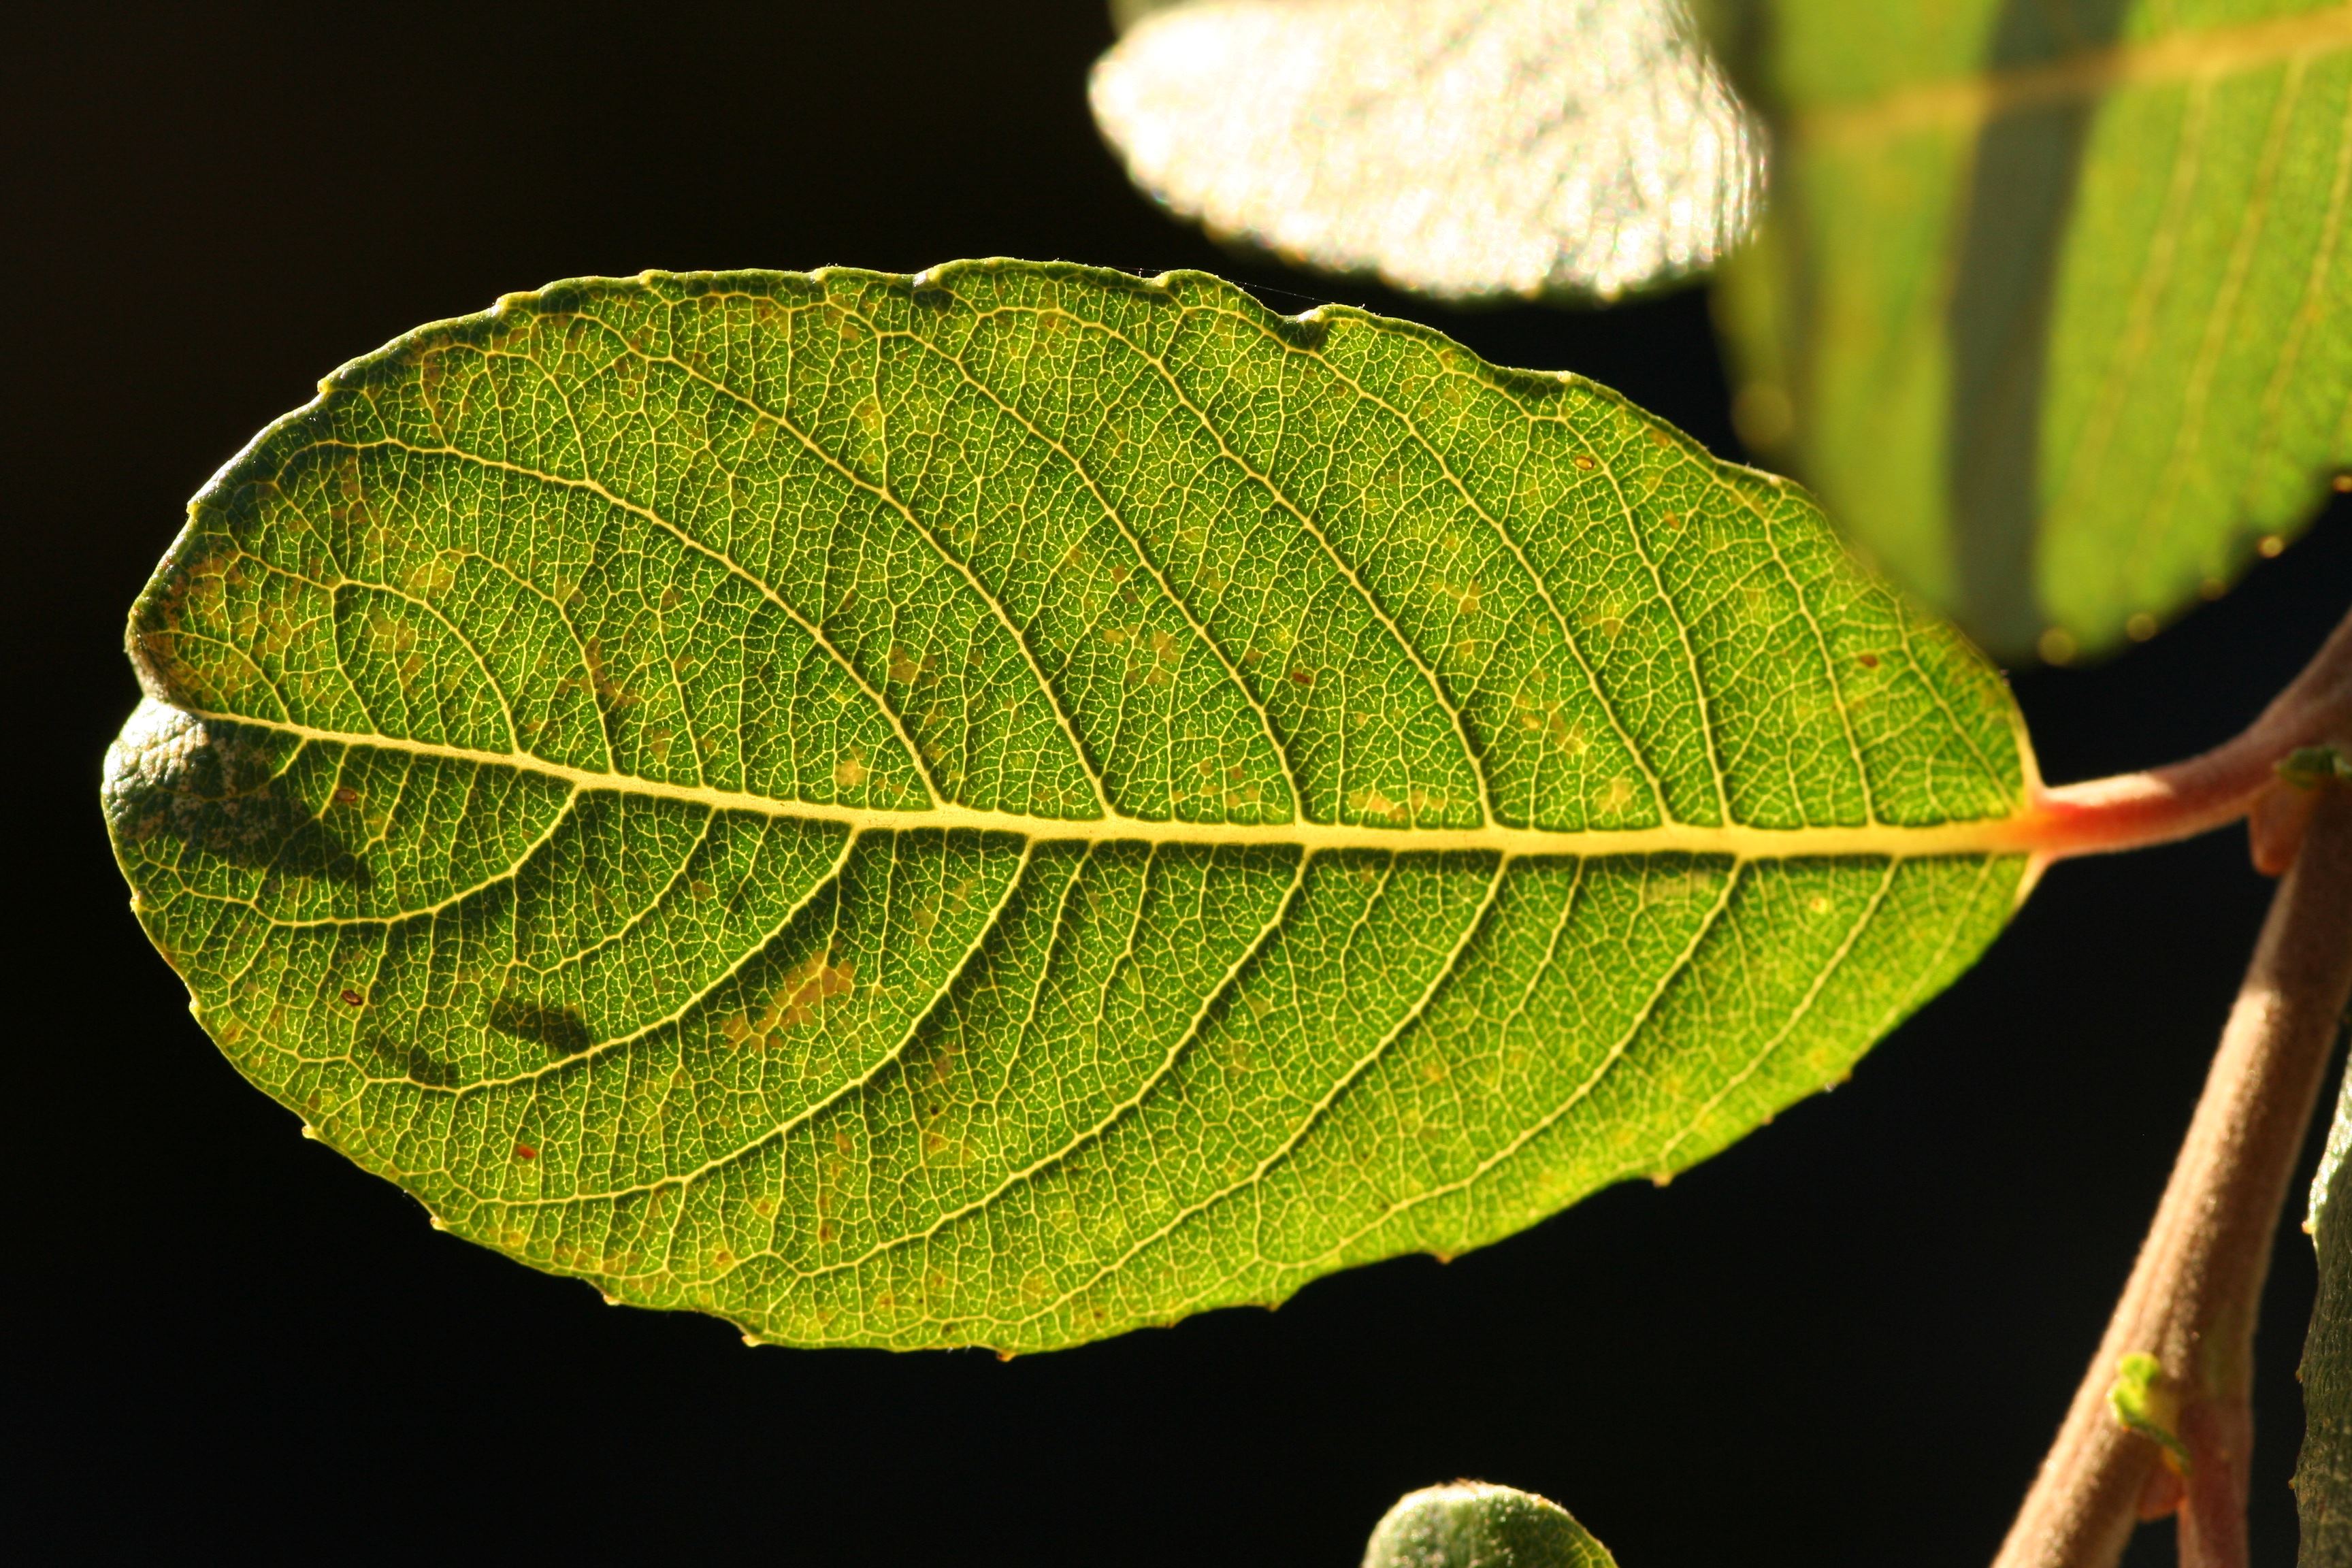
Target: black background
1845,1342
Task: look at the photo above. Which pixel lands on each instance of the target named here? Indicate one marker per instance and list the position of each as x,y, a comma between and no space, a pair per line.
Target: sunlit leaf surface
1457,147
2055,307
1008,804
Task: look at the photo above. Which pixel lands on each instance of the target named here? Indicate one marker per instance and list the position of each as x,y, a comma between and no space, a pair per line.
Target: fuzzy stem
2233,779
2193,1294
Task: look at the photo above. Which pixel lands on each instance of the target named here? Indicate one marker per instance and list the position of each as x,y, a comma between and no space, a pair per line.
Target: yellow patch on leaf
806,987
1372,803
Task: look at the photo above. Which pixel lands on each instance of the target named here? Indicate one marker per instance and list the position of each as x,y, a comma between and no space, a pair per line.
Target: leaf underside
2052,306
1004,806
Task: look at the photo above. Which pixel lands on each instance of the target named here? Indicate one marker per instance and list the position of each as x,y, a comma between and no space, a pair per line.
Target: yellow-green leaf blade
1004,806
2055,296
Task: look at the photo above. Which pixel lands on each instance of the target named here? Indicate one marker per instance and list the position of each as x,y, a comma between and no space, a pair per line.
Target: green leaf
1462,148
1476,1524
1003,805
2052,304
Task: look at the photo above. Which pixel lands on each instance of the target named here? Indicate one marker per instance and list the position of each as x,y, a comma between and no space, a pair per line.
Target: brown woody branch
2193,1294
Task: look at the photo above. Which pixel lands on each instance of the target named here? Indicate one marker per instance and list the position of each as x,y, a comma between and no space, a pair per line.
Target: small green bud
2144,1402
2308,767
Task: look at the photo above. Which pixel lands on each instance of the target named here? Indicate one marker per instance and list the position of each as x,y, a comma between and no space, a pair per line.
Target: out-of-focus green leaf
1004,806
1455,147
2054,304
1476,1524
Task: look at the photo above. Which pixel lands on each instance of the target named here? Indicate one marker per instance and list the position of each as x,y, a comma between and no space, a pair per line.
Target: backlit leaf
1457,147
2051,306
1003,805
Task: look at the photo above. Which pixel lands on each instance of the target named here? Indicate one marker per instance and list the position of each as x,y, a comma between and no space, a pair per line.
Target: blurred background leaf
1459,148
2051,306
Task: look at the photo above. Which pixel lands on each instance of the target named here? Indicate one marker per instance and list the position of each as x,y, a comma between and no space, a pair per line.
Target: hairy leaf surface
1476,1524
1461,147
1002,806
2052,303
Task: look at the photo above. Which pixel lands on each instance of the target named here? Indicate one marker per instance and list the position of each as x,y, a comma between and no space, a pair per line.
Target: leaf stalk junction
2162,1421
2252,776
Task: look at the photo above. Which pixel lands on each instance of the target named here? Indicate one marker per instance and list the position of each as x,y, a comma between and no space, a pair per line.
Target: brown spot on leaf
804,989
1373,803
609,693
1464,597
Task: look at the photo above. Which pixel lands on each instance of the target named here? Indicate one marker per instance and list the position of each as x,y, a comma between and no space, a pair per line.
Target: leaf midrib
1446,700
1972,100
1740,841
